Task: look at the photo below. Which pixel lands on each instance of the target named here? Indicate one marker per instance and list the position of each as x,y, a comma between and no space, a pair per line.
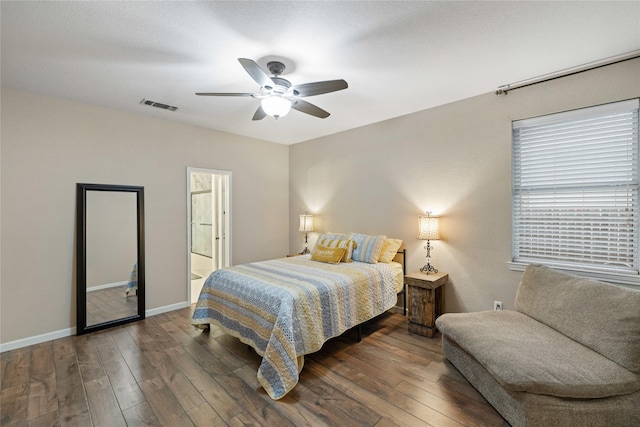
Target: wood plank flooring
108,304
164,372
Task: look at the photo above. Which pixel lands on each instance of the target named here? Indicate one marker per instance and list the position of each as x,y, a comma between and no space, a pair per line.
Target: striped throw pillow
368,247
328,236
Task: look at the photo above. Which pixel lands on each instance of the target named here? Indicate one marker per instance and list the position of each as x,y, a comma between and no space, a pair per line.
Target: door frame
227,220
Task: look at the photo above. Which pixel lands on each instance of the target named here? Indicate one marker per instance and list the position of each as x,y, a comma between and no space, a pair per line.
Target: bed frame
403,254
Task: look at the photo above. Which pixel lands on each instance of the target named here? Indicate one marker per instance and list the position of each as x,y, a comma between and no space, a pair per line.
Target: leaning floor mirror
110,256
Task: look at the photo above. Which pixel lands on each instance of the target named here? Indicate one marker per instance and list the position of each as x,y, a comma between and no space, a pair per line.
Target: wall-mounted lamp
428,230
306,225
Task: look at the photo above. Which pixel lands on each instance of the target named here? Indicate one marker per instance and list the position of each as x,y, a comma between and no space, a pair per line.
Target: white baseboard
166,308
25,342
50,336
106,286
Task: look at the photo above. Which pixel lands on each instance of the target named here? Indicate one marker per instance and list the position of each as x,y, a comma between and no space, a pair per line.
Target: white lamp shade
428,228
276,106
306,223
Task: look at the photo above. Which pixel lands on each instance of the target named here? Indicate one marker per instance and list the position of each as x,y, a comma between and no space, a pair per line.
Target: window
575,191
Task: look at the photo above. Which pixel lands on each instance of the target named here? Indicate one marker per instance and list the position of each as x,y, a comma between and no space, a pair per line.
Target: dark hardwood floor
163,371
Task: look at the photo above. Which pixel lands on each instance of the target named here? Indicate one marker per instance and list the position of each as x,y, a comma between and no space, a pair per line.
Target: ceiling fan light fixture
278,96
276,106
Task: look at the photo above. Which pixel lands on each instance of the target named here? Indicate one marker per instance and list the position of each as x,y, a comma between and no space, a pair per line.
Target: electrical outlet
497,305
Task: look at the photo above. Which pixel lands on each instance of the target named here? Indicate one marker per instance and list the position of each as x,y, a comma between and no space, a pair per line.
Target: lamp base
306,242
428,268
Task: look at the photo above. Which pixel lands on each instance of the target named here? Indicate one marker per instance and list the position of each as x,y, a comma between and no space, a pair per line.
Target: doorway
208,231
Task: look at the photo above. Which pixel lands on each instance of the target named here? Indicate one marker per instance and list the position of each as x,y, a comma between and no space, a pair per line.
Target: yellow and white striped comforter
286,308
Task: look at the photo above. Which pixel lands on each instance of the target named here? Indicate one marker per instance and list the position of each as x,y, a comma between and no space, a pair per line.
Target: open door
208,231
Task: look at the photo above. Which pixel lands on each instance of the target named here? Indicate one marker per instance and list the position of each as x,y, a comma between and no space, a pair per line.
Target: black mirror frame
81,256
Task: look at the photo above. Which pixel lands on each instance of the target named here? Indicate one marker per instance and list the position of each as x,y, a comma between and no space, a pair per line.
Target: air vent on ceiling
158,105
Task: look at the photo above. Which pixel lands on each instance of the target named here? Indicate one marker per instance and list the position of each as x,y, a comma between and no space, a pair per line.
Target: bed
288,307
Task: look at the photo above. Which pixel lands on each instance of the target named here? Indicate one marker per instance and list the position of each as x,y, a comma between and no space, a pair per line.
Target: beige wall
48,145
454,160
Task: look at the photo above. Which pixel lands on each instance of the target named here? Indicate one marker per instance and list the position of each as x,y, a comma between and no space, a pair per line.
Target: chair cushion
525,355
603,317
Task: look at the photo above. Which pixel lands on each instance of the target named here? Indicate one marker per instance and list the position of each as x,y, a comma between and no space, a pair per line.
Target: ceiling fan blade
309,108
223,94
259,114
318,88
257,73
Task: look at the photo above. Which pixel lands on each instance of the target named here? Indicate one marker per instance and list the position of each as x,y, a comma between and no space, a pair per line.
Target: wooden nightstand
426,301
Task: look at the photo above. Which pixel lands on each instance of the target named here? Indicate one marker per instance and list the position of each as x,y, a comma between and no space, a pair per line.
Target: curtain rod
504,89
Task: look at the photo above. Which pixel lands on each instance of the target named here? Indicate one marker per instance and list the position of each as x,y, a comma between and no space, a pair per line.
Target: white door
208,231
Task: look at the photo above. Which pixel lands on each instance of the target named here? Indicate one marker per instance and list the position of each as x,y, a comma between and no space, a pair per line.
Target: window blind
575,189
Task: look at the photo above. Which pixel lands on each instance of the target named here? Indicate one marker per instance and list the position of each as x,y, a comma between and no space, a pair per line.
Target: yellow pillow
389,250
349,245
325,254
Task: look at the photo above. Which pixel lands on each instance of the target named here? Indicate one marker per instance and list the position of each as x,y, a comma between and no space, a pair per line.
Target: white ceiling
398,57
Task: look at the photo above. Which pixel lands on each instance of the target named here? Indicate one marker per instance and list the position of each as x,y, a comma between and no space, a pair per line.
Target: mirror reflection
112,246
110,275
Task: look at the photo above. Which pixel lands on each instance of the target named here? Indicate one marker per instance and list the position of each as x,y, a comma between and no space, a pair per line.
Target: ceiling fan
278,95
